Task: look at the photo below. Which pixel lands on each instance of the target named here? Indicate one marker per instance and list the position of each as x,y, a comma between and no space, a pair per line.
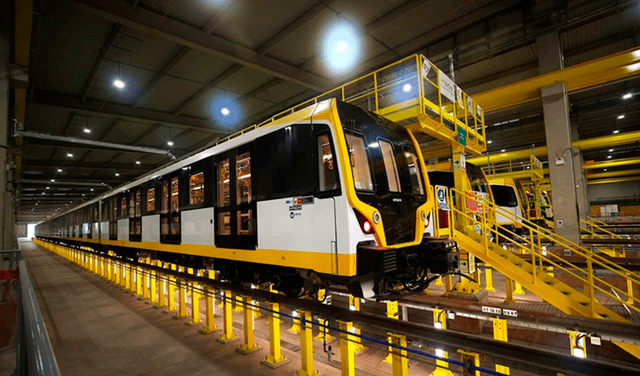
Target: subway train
330,194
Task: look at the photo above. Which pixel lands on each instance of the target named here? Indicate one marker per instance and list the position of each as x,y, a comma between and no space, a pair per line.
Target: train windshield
477,178
386,170
504,195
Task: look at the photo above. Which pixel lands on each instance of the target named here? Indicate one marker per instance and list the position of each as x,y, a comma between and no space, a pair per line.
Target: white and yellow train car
329,194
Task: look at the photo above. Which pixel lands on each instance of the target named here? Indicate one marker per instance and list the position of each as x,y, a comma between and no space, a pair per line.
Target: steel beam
177,32
41,163
158,77
587,144
204,90
615,180
62,182
126,113
101,56
610,68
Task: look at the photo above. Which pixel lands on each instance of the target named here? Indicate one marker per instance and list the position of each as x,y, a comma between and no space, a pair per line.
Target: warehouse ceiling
161,73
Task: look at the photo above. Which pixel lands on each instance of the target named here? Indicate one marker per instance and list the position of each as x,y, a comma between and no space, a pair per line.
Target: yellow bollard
295,327
227,319
127,280
162,295
440,322
210,325
488,272
145,284
508,288
439,281
577,344
275,358
109,270
354,305
171,293
500,334
153,285
249,344
399,363
392,313
195,301
118,271
139,279
470,359
306,346
132,279
347,349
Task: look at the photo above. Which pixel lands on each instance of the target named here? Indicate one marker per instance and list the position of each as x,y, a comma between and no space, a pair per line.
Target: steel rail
506,353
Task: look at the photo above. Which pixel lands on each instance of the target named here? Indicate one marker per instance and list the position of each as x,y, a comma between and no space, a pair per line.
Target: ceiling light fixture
620,116
91,189
137,162
610,150
608,157
119,84
117,174
489,141
225,111
170,143
341,46
87,130
59,170
53,180
69,155
616,131
503,150
406,88
626,96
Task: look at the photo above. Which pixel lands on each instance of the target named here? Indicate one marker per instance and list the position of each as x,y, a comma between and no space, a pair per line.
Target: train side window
243,178
151,200
123,207
327,168
359,162
165,197
164,219
415,173
132,206
224,198
137,212
196,189
175,205
223,184
390,166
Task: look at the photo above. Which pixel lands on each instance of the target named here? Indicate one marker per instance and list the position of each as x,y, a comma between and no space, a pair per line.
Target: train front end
391,197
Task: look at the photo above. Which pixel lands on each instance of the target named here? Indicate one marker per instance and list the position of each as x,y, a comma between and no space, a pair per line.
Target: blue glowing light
225,110
341,46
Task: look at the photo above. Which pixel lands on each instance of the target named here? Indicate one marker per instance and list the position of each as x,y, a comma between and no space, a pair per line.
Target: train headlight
376,217
423,215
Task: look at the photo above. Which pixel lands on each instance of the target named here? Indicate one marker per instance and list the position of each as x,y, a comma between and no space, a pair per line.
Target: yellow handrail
533,245
590,226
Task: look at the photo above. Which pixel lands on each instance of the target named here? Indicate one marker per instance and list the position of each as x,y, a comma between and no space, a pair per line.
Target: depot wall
625,194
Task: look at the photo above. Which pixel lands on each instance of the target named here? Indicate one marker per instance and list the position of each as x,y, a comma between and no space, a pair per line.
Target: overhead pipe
615,180
63,182
106,145
611,163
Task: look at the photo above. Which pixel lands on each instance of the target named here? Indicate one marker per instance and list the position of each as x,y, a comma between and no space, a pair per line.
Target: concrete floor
98,329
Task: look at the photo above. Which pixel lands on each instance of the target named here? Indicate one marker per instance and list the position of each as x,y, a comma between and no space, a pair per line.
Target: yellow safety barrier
591,230
478,233
275,358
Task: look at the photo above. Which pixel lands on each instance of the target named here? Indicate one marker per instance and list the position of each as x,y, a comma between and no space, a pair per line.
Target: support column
354,305
275,358
578,344
581,181
249,344
210,309
182,297
139,278
440,322
295,327
557,125
227,318
399,363
195,302
347,349
500,334
306,346
153,286
132,278
392,313
145,283
171,289
162,295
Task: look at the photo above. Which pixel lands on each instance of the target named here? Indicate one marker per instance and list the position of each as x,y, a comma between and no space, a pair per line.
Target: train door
170,210
235,211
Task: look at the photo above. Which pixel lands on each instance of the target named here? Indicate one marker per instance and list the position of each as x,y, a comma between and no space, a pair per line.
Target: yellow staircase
523,258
